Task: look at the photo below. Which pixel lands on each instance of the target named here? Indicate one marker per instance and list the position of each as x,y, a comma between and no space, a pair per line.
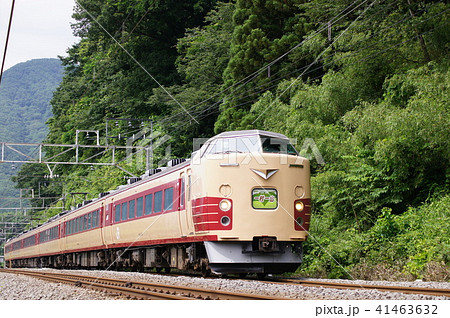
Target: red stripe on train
207,215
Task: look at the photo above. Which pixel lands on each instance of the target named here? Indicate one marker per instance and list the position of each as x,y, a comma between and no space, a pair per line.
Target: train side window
182,193
89,217
148,204
189,188
85,223
139,206
168,199
97,214
131,211
117,213
124,210
158,201
94,219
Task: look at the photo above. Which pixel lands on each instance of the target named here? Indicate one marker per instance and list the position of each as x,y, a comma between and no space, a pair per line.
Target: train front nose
264,237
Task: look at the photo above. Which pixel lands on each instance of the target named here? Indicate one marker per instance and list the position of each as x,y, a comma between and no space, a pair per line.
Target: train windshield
243,144
248,144
277,145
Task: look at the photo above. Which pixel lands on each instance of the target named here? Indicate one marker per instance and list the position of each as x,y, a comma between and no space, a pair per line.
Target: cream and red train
241,204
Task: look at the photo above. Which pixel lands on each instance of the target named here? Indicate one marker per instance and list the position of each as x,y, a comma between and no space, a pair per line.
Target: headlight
225,205
299,221
299,206
225,220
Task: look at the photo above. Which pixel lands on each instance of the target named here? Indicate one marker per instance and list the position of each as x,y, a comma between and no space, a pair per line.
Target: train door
106,223
62,236
184,205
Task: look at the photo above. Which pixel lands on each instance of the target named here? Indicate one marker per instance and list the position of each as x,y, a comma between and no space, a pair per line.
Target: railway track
336,285
145,290
139,290
382,288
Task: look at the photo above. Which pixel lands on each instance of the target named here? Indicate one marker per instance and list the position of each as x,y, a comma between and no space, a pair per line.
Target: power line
243,96
357,61
252,76
135,60
7,39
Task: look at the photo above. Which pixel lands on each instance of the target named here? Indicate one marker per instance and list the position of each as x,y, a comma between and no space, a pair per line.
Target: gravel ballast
22,287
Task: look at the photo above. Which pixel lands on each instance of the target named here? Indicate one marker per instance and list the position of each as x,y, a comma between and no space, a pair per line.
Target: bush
412,245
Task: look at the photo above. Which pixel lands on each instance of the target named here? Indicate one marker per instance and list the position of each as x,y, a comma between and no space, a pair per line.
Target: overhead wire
116,34
357,61
335,19
266,88
252,76
242,96
202,112
317,32
7,39
136,61
317,58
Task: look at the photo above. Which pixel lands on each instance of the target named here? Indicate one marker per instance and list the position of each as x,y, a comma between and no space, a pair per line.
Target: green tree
264,30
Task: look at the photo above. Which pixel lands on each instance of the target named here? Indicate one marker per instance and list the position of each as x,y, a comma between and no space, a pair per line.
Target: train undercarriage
261,256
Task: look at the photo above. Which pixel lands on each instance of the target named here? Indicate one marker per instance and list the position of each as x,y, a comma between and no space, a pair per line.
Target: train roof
254,132
173,165
159,172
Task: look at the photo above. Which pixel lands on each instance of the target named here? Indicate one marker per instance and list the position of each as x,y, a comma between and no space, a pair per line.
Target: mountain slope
25,93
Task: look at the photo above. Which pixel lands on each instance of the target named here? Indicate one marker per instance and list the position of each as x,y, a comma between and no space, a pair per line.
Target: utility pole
423,46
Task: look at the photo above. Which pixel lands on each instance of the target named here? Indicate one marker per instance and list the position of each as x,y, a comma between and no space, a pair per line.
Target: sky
40,29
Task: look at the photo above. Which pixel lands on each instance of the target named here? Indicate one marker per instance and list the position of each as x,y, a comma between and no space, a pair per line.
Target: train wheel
206,271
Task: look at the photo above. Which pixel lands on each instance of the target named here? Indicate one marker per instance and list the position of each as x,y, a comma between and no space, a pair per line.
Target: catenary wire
242,96
253,75
313,79
7,39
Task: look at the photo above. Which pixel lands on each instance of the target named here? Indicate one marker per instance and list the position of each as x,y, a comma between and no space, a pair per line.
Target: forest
24,108
367,81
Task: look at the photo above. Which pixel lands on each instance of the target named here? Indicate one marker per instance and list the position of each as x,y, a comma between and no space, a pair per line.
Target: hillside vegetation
367,81
25,95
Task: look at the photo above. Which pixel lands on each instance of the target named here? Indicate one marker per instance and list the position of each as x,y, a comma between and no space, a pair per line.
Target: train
241,204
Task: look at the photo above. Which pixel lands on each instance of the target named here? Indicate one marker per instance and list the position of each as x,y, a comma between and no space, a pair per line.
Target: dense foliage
366,81
25,96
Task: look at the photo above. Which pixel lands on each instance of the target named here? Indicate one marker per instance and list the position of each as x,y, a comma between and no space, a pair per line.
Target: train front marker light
225,220
225,205
299,206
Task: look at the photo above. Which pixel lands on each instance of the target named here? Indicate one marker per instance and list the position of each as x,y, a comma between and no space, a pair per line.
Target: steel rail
384,288
141,290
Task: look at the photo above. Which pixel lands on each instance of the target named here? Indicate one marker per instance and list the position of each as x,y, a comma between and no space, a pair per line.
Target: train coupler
265,244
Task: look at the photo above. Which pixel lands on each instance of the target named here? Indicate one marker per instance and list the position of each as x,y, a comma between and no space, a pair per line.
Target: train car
241,204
